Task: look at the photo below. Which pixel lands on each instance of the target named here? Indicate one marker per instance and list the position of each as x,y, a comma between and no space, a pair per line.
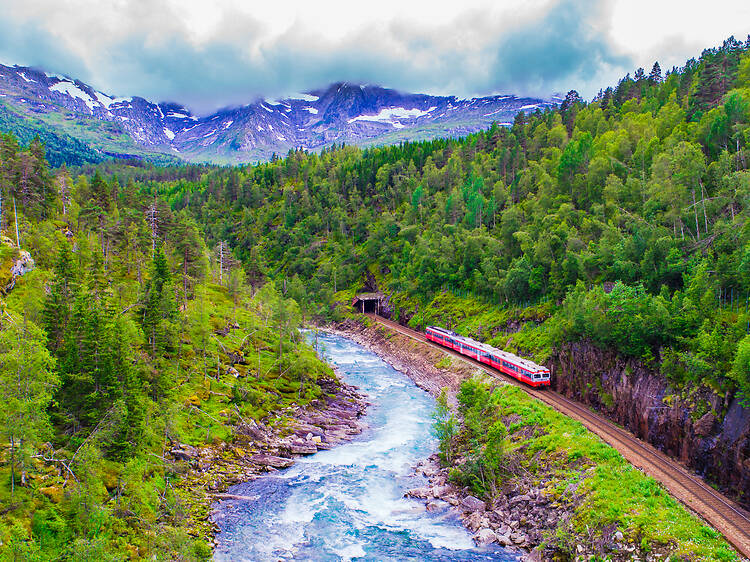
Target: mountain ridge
341,112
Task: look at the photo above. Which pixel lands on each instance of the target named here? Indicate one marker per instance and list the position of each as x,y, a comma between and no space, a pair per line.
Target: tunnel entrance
367,303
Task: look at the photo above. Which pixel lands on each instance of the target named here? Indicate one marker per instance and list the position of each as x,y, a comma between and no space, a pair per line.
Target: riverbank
257,449
563,494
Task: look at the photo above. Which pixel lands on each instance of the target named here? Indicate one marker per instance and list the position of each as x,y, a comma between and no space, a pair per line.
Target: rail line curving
720,512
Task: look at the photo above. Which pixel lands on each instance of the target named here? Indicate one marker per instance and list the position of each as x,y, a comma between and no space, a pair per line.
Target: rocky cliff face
707,431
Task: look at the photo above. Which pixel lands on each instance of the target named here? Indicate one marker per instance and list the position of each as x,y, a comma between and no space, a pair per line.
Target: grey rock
299,449
520,499
422,493
484,537
272,461
473,504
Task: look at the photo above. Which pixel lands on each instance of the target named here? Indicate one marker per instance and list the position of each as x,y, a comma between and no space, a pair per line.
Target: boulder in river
485,536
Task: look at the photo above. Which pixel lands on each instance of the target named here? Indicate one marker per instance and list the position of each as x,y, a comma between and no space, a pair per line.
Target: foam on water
348,503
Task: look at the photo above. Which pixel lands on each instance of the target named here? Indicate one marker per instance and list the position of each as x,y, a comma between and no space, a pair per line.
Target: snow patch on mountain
354,114
74,91
391,114
304,97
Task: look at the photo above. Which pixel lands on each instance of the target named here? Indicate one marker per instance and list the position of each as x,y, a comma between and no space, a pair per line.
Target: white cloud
230,51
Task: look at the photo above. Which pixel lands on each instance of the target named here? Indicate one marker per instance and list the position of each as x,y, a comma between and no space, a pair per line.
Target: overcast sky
226,52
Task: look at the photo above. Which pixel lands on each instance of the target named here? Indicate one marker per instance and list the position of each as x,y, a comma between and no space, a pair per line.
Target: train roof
443,330
525,363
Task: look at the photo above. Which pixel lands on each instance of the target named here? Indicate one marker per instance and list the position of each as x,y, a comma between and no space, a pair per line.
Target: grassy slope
561,454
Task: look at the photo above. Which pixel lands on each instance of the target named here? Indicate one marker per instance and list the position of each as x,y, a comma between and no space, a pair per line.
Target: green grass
613,492
518,330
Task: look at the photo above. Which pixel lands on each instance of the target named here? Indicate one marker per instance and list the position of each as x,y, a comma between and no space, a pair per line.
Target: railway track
718,511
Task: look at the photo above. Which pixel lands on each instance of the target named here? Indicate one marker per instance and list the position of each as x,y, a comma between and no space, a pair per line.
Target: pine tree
158,310
655,75
57,312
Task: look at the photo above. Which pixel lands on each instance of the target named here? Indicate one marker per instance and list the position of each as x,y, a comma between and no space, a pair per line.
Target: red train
512,365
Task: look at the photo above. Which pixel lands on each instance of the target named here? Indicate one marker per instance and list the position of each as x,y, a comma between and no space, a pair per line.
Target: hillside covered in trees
622,221
627,216
125,337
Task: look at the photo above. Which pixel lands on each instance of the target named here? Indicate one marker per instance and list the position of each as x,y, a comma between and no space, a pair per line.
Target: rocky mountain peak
341,112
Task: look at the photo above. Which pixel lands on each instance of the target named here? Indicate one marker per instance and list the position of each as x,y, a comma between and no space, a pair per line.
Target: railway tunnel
368,303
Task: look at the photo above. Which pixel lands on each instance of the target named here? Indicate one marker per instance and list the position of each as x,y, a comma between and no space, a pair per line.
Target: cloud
569,47
160,50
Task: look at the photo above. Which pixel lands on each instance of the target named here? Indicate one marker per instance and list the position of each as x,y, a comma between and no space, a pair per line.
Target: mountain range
67,112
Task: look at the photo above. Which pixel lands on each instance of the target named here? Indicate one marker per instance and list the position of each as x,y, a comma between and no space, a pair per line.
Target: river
347,503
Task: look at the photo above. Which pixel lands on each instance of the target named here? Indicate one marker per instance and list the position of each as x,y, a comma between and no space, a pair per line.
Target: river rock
473,504
520,499
474,521
485,537
422,493
302,449
503,540
518,538
435,505
272,461
236,497
440,492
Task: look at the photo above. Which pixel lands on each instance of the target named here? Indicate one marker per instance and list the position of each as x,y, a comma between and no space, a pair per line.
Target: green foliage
626,318
509,436
444,427
139,351
27,382
741,368
623,221
628,212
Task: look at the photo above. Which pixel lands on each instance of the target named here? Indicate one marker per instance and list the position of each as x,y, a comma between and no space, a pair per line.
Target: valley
160,272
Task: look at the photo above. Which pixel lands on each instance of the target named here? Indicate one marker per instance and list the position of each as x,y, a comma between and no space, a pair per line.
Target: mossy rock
54,493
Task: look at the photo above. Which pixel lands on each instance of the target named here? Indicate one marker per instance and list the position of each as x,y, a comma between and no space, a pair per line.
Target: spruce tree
57,310
655,75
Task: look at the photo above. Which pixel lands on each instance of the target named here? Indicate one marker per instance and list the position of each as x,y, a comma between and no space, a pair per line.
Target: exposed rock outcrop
707,431
21,265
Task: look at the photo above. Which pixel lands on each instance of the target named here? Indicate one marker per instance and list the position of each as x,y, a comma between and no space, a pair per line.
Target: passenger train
512,365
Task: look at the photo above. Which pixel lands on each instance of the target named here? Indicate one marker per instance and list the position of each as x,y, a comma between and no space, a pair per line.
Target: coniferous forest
622,221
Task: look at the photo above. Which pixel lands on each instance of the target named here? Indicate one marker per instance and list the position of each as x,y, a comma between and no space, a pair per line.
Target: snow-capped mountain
340,113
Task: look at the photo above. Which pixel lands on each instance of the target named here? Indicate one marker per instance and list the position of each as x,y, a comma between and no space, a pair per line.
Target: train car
521,369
